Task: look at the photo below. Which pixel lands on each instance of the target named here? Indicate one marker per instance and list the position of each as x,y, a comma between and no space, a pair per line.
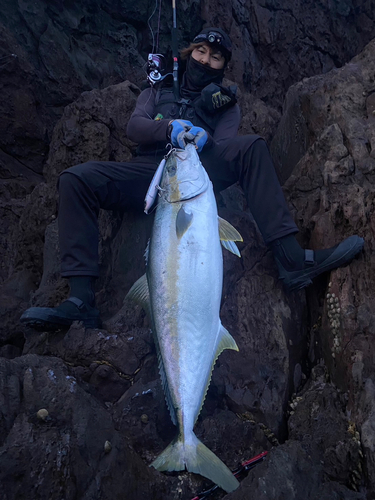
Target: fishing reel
156,68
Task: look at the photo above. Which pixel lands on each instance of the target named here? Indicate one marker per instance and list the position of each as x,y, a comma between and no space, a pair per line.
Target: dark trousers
86,188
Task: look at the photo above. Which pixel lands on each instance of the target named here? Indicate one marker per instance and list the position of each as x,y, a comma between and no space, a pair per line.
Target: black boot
80,306
297,267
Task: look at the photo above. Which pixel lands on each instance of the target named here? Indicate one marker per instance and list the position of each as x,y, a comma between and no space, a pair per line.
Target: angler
208,111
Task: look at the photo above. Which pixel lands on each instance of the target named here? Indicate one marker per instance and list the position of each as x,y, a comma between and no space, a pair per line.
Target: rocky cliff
302,385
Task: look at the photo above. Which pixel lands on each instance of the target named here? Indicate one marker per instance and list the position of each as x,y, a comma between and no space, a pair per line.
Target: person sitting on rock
206,111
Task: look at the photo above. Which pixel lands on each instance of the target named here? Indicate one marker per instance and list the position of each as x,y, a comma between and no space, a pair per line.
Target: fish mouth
185,181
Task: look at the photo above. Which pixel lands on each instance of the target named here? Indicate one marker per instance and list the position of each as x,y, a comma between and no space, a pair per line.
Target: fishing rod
176,88
156,62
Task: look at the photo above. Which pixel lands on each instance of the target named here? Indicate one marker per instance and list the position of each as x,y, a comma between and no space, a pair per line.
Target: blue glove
178,131
198,136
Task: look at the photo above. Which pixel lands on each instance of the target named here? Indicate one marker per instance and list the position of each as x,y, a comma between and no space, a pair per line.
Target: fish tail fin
197,458
201,460
172,458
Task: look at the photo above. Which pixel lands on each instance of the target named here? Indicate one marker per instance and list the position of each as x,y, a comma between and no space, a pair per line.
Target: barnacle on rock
107,446
353,486
356,474
248,417
333,313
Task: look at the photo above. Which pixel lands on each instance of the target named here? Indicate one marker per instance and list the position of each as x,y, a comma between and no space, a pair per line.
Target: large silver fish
181,292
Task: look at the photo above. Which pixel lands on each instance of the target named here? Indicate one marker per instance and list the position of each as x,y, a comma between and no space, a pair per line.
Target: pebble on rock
42,414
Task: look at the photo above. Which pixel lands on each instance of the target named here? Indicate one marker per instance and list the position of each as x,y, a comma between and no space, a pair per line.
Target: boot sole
40,318
344,253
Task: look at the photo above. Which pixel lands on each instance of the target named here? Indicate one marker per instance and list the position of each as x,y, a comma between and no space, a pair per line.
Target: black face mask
198,75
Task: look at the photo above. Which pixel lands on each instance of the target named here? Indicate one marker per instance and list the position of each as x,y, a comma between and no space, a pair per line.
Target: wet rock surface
83,412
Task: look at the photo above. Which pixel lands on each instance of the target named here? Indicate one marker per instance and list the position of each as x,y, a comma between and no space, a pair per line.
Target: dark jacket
218,115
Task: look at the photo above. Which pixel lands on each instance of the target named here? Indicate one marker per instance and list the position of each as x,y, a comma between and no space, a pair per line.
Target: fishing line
157,40
145,104
149,25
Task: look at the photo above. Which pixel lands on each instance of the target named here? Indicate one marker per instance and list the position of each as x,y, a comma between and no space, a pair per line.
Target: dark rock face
331,190
302,385
67,454
286,42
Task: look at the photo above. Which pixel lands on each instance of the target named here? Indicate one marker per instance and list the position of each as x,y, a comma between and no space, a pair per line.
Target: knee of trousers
245,142
76,175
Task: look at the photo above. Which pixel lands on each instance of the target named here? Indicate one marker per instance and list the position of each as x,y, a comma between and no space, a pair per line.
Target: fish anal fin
197,458
183,222
225,341
227,232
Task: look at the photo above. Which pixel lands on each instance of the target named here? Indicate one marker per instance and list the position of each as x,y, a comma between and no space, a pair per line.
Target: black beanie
218,37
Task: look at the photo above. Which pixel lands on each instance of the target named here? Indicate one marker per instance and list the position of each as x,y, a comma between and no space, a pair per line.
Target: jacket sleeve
142,128
226,128
228,125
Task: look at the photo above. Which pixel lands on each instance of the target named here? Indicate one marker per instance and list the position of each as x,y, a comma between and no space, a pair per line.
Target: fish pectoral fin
227,232
183,222
140,294
198,459
225,341
231,246
228,235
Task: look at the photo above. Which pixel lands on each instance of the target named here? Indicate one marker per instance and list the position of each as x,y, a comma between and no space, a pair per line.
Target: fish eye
171,170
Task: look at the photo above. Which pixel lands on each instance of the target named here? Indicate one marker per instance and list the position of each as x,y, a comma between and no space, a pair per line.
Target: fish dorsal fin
228,235
140,293
224,341
183,222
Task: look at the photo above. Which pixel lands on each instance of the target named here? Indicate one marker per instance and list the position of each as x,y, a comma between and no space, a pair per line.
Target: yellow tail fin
197,458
